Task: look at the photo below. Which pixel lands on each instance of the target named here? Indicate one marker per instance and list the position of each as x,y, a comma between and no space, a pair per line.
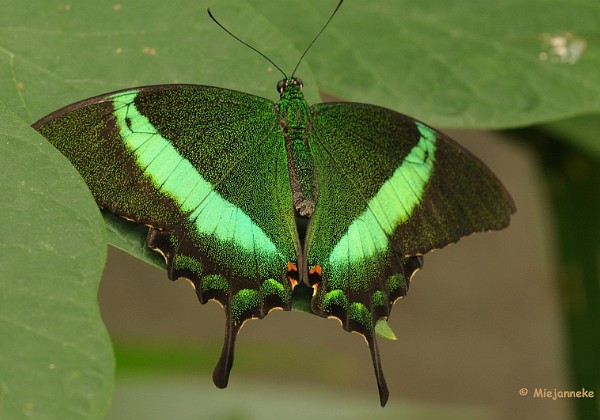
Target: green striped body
254,200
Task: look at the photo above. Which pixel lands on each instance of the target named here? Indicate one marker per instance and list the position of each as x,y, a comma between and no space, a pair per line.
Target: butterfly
258,202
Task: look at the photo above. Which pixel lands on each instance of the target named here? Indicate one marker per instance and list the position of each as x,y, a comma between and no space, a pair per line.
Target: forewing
389,189
206,168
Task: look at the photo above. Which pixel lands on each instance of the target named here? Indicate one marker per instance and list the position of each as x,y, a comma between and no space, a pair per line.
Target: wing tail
381,383
243,297
225,363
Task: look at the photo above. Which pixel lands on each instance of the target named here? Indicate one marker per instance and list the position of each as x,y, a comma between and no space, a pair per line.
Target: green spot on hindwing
243,301
273,287
397,283
214,282
335,297
185,262
379,299
359,313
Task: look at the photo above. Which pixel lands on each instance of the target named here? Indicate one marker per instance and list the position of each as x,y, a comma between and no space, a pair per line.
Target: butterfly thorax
293,113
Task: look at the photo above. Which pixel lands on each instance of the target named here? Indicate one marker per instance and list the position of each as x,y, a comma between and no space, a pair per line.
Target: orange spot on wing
292,271
315,274
316,270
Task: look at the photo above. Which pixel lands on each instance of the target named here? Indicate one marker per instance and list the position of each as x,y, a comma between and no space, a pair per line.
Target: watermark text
555,393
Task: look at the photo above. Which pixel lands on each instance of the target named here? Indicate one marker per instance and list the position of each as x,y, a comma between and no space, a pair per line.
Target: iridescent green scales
272,287
379,299
397,282
182,262
361,314
214,282
335,297
243,301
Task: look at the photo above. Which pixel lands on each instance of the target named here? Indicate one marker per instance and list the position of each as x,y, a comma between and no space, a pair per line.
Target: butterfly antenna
318,35
246,44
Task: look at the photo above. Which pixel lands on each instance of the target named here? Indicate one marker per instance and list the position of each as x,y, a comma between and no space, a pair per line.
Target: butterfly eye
281,85
298,83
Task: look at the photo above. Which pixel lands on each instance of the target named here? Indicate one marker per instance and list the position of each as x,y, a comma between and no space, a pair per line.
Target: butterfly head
289,87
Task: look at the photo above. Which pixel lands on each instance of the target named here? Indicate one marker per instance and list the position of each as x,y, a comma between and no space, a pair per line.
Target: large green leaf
461,63
56,359
465,63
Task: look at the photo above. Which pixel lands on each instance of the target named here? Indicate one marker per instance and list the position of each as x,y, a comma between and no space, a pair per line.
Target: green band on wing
176,177
393,204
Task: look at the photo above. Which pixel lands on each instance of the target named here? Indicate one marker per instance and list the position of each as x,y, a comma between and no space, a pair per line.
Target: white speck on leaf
563,48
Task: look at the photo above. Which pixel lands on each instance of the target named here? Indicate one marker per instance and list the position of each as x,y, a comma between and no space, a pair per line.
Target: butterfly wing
206,169
389,189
